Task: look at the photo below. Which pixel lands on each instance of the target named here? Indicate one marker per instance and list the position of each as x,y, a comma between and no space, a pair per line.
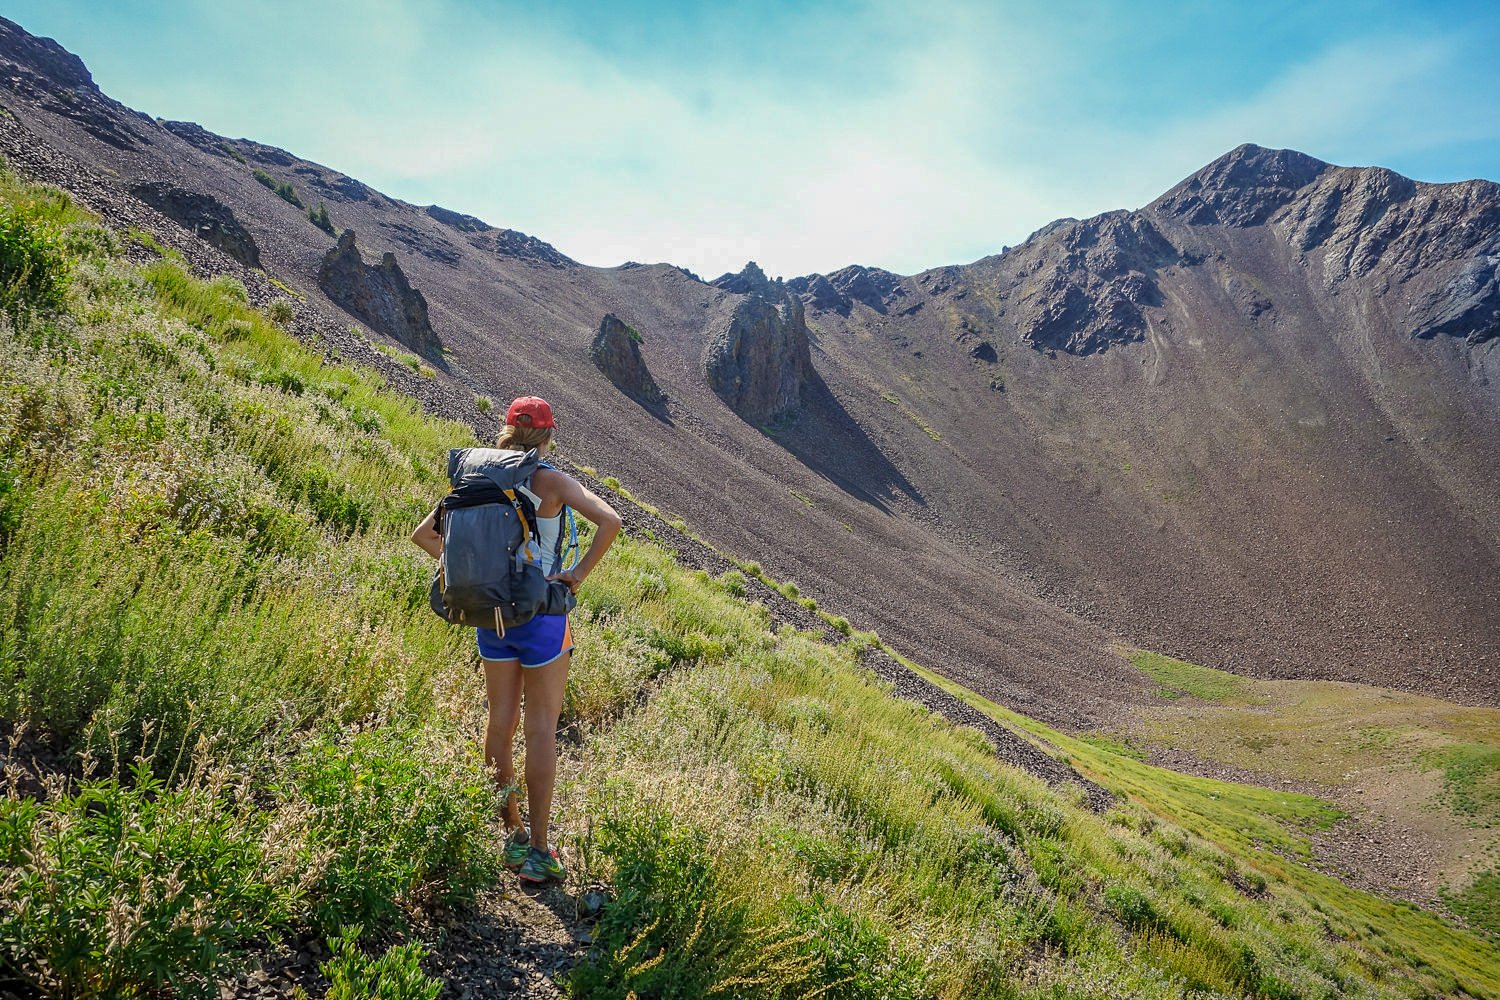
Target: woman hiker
532,659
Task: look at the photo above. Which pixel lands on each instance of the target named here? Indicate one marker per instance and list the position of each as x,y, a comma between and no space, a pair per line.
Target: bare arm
606,524
426,536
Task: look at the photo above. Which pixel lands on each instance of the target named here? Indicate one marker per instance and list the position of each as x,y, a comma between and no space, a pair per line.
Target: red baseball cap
535,411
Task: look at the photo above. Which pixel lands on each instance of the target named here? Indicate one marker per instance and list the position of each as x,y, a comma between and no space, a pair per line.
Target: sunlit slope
1267,831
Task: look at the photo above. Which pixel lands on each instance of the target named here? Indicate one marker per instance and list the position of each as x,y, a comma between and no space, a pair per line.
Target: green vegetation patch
1114,744
1263,836
319,217
128,882
1479,903
395,975
1179,678
411,361
284,189
1471,778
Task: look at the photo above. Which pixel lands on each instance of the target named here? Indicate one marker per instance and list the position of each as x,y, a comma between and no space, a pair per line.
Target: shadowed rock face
759,362
57,79
463,223
1468,306
751,279
879,289
517,245
616,350
204,215
378,294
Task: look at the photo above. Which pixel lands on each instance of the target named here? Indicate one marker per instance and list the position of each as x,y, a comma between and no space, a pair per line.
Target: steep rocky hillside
1253,424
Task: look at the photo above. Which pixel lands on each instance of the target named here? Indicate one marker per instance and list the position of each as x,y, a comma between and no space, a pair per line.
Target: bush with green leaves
395,975
284,189
396,814
131,886
319,217
675,930
33,269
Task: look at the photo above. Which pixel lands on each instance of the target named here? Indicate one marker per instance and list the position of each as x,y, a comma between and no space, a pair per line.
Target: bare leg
544,699
502,687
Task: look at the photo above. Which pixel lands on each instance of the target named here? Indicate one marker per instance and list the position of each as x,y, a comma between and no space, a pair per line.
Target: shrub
33,269
283,189
1130,905
280,311
124,888
483,404
673,931
396,975
856,959
838,623
319,217
396,813
734,582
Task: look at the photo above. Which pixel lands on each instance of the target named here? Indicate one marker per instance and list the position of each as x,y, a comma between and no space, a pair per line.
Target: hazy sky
805,136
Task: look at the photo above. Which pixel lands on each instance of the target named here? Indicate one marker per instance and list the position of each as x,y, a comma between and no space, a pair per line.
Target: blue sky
805,136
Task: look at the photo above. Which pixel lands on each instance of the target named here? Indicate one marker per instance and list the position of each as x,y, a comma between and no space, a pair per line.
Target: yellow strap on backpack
525,528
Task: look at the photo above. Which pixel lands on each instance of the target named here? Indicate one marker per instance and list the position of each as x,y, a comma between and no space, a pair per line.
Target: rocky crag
616,351
378,294
202,214
759,361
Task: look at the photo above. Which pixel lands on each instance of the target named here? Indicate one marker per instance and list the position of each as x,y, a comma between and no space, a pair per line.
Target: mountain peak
1244,187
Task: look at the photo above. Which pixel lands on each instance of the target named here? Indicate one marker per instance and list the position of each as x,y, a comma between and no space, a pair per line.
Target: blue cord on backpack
572,545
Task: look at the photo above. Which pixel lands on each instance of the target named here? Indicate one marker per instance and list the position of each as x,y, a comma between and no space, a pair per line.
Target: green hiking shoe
541,866
516,846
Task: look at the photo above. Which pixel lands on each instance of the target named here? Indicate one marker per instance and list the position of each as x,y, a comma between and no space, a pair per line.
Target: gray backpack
490,573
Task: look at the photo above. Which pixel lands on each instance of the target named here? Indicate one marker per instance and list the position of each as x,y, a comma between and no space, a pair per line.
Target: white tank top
547,529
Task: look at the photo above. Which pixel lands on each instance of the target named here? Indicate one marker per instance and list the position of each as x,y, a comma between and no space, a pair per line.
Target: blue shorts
535,644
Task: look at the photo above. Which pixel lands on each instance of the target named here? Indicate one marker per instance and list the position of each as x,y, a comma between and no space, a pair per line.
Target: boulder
984,351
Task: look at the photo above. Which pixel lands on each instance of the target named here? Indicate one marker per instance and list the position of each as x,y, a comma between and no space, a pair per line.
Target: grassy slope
1265,829
1425,764
203,572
